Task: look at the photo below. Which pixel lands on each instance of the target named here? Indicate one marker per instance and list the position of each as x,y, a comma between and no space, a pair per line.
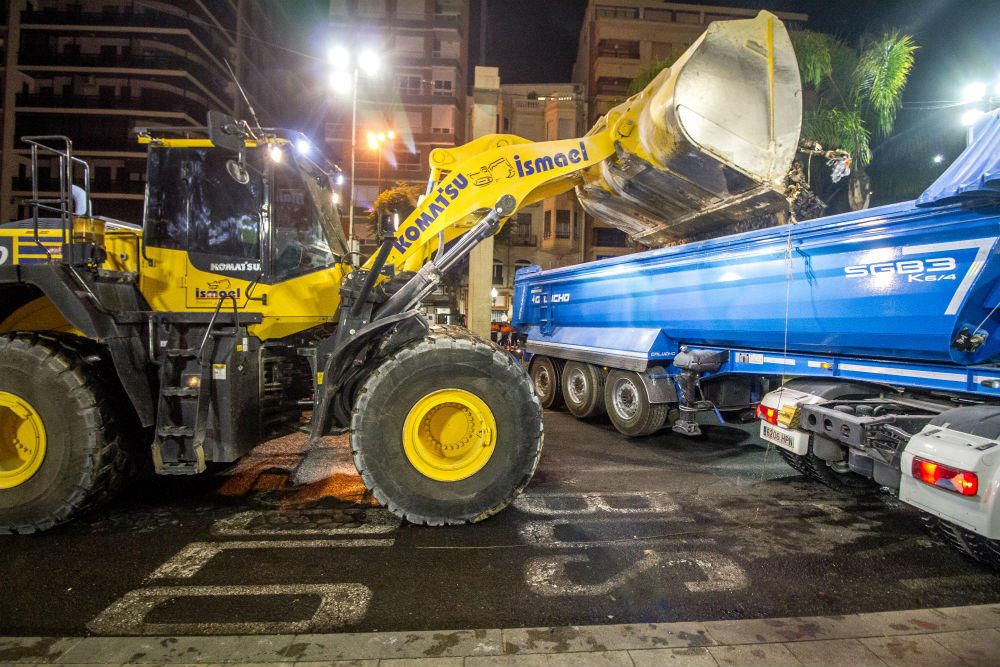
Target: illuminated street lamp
344,80
376,140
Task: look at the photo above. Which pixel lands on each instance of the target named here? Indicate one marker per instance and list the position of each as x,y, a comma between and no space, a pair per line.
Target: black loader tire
583,389
815,468
546,375
632,413
84,464
448,358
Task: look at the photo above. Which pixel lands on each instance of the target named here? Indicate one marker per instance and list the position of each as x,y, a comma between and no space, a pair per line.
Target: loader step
175,432
189,352
182,392
179,468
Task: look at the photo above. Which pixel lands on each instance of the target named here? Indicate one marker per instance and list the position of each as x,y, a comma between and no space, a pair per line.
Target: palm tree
400,199
849,95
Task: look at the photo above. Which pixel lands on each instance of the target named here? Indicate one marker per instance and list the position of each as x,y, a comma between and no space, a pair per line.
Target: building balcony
23,184
160,102
148,19
560,244
213,80
523,240
408,21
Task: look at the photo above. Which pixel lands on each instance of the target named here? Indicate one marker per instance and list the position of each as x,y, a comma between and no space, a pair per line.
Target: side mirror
225,132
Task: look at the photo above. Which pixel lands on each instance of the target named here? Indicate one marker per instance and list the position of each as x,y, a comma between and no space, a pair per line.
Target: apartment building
621,38
554,232
419,93
96,69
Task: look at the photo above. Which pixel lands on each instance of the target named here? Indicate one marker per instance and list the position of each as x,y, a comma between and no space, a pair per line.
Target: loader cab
266,216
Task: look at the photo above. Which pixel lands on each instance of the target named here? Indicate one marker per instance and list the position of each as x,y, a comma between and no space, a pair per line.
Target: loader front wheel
447,430
59,449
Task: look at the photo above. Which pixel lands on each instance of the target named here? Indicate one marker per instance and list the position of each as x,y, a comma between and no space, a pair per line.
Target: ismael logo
548,162
215,290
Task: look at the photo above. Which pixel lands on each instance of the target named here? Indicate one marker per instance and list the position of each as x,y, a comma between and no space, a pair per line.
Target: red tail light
764,413
950,479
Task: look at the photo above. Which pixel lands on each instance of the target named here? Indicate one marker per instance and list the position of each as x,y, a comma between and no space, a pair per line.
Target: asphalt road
611,530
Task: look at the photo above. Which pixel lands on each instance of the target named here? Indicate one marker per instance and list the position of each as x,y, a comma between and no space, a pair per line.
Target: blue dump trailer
866,343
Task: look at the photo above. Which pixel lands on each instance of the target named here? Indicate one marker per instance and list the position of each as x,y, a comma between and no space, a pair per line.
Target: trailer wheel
546,374
816,469
447,430
59,442
628,405
583,389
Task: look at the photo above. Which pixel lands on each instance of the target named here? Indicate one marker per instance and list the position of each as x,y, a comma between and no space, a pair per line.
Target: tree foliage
851,94
401,198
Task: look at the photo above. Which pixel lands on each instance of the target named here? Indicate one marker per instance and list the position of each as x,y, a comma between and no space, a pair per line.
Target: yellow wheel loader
234,313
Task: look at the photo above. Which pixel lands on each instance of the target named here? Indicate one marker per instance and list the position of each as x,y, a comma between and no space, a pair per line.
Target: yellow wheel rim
22,441
449,435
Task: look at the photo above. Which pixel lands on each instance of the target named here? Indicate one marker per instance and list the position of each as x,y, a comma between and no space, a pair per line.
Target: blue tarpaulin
975,174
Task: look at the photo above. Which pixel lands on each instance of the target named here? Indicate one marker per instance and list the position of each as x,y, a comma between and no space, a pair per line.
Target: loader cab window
299,236
195,204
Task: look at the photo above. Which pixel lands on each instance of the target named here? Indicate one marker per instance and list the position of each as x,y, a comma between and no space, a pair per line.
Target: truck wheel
546,376
59,443
583,389
447,430
816,468
628,405
971,544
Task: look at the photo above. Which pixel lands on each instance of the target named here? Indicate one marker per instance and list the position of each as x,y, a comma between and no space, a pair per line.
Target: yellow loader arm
470,179
708,142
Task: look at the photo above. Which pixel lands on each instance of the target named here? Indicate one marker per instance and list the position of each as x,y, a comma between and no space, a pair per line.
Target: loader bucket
706,146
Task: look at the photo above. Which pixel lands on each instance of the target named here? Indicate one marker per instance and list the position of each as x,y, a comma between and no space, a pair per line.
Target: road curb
949,635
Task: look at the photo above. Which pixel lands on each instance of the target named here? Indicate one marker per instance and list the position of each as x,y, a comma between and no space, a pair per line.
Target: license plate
772,434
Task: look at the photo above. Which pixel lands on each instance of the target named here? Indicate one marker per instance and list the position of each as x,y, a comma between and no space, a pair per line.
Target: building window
497,272
688,17
410,85
610,238
520,232
618,48
606,12
661,15
662,51
612,85
563,224
443,88
547,229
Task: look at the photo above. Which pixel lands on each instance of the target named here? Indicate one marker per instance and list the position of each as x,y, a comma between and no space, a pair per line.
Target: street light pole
354,136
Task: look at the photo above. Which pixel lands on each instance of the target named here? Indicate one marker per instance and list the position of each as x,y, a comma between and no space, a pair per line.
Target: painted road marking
340,605
192,558
543,533
308,522
547,575
594,503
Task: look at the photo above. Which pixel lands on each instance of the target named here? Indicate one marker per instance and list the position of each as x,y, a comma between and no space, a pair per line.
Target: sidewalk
966,636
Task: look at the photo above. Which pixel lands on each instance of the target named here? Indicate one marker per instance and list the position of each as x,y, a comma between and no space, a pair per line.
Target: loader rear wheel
447,430
546,374
583,389
59,443
628,405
